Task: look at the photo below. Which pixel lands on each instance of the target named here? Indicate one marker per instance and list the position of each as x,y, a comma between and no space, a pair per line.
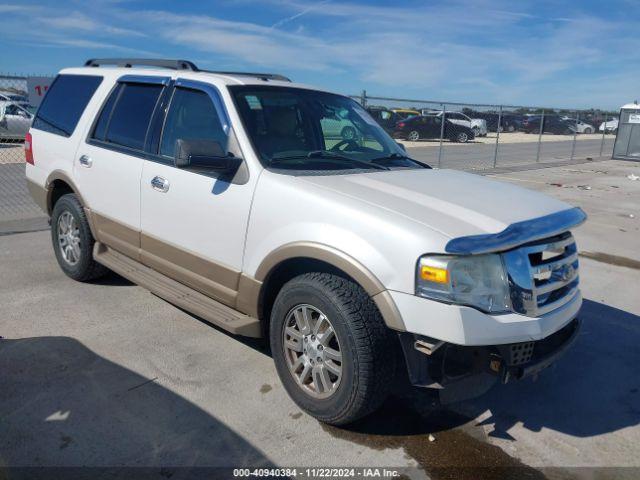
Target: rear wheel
72,240
413,136
332,350
588,130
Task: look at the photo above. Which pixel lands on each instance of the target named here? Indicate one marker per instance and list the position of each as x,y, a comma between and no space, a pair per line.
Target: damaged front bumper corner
469,371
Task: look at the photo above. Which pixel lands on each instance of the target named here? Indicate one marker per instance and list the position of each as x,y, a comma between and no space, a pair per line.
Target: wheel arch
58,184
294,259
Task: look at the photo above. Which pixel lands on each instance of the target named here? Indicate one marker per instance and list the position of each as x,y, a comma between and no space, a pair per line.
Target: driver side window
191,116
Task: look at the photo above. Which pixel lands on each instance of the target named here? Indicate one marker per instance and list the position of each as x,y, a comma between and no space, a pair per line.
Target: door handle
160,184
86,161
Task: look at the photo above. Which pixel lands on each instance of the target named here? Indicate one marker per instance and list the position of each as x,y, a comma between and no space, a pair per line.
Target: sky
577,54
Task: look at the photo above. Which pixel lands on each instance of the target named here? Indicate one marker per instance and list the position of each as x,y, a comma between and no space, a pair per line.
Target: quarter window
192,116
65,102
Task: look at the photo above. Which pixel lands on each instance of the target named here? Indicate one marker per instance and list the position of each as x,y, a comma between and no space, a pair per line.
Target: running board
177,293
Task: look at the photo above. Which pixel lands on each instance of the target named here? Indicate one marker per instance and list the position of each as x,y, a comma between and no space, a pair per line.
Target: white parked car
580,126
15,120
219,193
610,126
478,125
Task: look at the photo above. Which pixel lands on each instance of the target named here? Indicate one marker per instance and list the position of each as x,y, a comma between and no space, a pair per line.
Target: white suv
223,194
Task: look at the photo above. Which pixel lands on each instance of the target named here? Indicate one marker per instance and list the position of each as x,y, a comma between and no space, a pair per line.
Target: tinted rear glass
100,129
64,103
131,115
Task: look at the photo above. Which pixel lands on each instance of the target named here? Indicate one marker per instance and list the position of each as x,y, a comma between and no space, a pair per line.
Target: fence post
604,130
444,114
575,133
363,99
540,136
495,152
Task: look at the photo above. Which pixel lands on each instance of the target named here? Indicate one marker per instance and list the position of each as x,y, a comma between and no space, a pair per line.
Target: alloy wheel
312,351
69,238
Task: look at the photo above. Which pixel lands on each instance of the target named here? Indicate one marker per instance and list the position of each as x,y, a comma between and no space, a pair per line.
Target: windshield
293,128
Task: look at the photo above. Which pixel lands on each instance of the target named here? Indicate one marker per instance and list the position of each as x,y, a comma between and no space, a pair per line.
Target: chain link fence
15,118
479,136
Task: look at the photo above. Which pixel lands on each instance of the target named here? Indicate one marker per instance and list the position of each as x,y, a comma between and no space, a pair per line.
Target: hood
451,202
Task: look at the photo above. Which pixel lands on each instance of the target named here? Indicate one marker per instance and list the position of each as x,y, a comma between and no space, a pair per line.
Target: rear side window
64,103
100,130
192,116
125,117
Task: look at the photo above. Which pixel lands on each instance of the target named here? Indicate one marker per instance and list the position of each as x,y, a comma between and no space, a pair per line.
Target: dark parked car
386,118
429,126
510,122
551,124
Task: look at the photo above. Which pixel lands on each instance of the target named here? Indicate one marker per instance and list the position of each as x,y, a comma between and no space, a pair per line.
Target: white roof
632,106
215,78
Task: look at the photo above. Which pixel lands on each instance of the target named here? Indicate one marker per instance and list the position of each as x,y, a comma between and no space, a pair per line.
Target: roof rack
175,65
262,76
147,62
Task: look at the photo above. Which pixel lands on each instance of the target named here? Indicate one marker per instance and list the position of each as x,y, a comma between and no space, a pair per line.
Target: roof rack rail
147,62
262,76
175,65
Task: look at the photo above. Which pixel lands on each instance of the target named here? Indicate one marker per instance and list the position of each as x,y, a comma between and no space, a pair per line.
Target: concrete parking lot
106,374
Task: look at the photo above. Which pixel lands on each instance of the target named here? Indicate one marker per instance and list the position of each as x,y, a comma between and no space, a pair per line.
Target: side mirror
401,145
206,154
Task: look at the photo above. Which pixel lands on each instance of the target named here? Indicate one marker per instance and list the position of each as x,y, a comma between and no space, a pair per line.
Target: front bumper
467,326
469,371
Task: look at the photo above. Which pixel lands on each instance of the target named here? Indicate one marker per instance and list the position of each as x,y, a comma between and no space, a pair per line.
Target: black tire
461,137
86,268
367,346
588,130
415,134
348,133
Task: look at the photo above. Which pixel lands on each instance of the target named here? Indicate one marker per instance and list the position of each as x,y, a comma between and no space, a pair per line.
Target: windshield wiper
395,156
326,154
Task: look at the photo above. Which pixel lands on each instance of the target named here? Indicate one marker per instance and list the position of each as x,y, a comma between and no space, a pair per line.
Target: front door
194,222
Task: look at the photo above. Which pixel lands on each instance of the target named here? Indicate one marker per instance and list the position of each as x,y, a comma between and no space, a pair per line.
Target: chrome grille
543,275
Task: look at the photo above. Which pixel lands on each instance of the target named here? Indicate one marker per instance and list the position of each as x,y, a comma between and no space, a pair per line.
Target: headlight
479,281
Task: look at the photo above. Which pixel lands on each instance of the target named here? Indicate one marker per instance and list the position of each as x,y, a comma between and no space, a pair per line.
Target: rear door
109,163
430,126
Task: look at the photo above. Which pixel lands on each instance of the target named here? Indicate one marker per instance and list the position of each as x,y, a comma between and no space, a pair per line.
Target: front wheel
332,350
72,240
461,137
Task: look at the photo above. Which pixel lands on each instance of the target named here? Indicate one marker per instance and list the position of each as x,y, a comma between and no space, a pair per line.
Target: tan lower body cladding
226,285
214,280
